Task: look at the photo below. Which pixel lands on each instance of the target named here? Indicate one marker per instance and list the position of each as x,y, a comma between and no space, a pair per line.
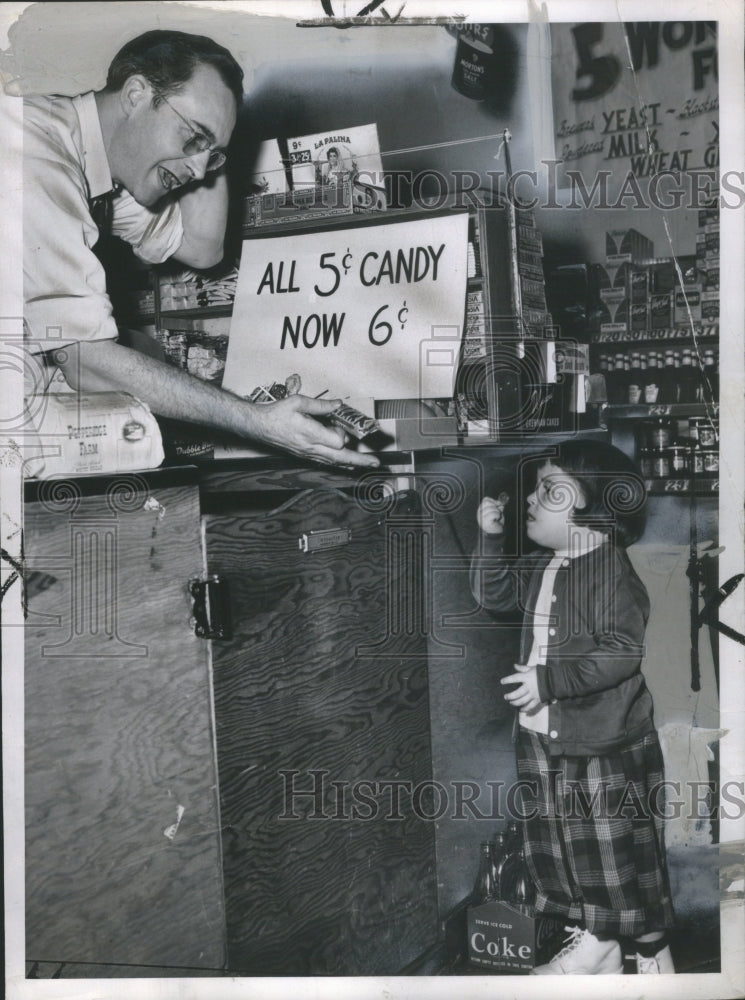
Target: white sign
373,311
635,100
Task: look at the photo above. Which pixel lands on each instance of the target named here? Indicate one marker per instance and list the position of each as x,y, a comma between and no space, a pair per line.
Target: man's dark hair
167,60
613,488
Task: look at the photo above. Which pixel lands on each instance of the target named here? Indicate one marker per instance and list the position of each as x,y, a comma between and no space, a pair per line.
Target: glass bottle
498,854
652,378
669,387
711,376
513,835
688,379
634,385
603,370
484,888
518,887
617,387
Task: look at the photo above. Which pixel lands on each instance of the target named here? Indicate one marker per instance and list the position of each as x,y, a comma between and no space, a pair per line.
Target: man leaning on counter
148,150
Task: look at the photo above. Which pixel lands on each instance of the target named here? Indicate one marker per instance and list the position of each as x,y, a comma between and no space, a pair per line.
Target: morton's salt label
93,432
474,56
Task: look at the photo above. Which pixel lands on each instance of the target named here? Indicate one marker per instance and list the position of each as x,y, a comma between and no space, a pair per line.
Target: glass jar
706,460
678,456
703,430
658,433
660,464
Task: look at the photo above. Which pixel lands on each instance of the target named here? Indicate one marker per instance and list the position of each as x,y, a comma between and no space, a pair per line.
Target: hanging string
506,136
453,142
503,137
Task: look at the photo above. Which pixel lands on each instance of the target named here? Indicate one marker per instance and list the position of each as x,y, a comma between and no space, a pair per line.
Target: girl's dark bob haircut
613,487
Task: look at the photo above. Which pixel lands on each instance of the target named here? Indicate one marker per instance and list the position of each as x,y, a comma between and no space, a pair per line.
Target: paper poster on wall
372,311
635,104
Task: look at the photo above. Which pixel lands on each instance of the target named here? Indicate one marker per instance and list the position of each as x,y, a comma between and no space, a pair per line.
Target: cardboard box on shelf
639,316
661,311
610,276
710,306
710,274
627,245
688,269
707,216
637,284
662,275
615,315
687,307
613,297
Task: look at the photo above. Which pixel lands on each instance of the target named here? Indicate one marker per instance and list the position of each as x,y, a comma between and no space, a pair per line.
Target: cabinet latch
211,608
326,538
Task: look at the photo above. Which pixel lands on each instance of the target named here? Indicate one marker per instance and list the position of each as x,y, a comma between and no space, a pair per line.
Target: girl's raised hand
490,515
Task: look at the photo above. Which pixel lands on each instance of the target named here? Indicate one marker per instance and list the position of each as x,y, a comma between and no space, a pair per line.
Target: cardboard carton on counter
506,937
91,433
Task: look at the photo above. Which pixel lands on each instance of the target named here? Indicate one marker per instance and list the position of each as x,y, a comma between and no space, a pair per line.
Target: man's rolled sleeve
154,236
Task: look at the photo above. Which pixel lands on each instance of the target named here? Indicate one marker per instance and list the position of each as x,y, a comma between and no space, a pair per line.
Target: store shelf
672,335
613,411
198,312
683,486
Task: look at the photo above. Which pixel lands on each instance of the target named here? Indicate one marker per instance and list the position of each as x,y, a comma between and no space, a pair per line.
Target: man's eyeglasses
198,143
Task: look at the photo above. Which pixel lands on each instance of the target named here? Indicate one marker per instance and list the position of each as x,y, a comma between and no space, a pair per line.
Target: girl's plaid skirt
594,835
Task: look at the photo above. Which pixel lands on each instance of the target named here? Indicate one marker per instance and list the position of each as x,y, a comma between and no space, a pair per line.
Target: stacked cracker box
535,315
623,282
707,262
647,297
474,339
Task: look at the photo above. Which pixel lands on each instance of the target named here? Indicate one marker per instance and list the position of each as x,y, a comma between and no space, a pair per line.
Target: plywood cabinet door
323,738
122,825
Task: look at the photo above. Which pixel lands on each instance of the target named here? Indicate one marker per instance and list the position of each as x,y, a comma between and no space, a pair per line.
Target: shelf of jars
688,377
677,449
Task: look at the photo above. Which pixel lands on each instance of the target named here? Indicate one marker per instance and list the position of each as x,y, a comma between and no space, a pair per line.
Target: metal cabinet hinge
211,608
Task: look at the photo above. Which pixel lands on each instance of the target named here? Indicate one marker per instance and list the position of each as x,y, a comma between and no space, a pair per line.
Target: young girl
587,750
